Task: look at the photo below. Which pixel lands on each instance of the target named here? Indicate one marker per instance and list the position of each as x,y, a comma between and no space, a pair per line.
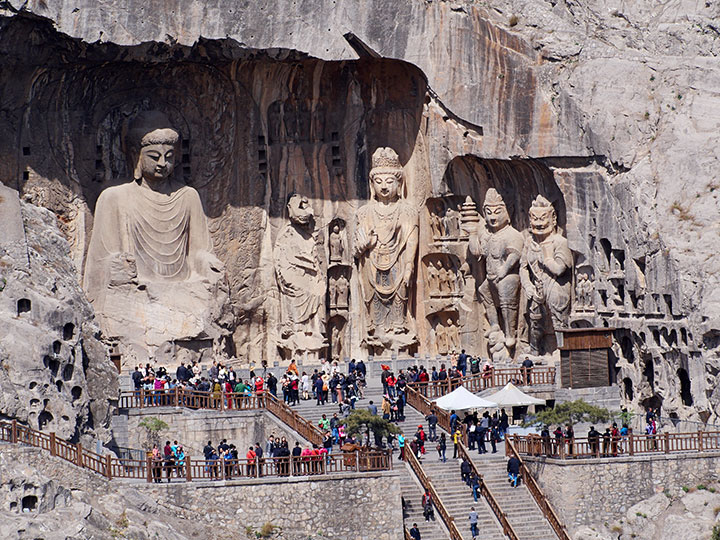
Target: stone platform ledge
644,458
269,480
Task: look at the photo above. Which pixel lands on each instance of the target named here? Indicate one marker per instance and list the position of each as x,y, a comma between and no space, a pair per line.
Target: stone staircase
518,504
412,493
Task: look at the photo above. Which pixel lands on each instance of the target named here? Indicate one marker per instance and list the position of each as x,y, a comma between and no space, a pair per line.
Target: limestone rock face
608,112
55,374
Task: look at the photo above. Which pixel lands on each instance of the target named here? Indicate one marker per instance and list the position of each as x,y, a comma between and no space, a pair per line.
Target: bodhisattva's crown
386,158
493,198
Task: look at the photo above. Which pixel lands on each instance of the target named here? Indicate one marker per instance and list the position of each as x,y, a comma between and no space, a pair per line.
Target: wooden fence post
357,461
667,442
176,397
79,449
148,467
188,469
53,443
700,440
14,437
631,444
108,467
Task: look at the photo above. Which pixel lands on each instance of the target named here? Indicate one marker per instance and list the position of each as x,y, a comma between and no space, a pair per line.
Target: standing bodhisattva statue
500,244
545,269
385,246
150,272
300,280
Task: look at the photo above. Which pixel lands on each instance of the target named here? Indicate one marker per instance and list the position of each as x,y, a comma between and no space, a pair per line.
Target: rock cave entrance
685,389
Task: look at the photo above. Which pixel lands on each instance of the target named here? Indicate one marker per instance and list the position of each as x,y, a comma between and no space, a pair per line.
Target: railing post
257,467
188,469
176,397
631,444
142,397
108,467
357,461
79,455
667,442
700,440
148,467
14,436
53,447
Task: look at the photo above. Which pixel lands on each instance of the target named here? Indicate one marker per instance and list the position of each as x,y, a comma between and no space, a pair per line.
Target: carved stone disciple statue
500,245
337,245
545,267
385,245
151,273
300,281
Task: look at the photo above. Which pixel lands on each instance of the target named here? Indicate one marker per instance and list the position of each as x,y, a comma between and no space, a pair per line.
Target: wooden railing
147,469
485,492
193,399
541,375
540,498
302,426
427,484
661,443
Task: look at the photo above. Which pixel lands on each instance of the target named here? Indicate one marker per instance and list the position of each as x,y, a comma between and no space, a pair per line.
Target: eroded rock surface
55,374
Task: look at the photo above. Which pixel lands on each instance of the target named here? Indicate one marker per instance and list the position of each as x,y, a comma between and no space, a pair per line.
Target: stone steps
412,496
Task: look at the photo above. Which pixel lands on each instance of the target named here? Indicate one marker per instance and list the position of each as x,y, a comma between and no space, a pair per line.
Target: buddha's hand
123,269
407,277
208,264
364,241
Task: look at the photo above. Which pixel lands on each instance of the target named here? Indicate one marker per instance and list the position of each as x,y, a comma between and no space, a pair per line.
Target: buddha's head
152,143
386,175
299,210
543,219
495,211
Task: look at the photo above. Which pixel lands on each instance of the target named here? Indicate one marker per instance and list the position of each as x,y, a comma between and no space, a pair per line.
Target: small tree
572,412
153,426
363,421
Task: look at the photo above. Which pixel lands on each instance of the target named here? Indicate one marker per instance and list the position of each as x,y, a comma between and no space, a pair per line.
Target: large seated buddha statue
150,272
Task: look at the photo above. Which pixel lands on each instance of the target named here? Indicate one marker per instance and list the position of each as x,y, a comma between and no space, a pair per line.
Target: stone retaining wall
194,428
587,491
362,507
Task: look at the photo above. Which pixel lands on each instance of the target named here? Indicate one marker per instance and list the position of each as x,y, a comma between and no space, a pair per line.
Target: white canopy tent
511,396
462,399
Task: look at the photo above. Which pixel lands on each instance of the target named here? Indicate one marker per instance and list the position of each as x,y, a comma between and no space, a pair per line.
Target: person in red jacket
259,383
251,456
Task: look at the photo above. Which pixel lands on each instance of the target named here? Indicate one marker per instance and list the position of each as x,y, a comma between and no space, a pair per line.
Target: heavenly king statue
385,246
545,270
150,272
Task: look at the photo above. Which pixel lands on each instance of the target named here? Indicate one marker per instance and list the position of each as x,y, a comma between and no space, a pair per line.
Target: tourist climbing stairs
412,493
521,509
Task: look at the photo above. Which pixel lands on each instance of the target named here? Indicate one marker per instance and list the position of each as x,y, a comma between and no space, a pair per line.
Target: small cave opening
626,347
672,338
59,385
29,503
628,387
44,419
68,371
68,331
56,346
685,389
76,392
23,306
649,372
607,250
53,366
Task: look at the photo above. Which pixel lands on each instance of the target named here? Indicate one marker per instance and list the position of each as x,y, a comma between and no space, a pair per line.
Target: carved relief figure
453,335
436,224
433,278
343,290
545,272
441,337
500,245
150,272
300,279
337,244
583,293
453,220
336,343
386,240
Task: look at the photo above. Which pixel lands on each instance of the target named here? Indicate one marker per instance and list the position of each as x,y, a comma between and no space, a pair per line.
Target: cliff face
609,111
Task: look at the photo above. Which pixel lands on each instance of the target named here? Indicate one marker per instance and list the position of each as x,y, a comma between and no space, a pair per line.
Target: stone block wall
362,507
194,428
588,491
